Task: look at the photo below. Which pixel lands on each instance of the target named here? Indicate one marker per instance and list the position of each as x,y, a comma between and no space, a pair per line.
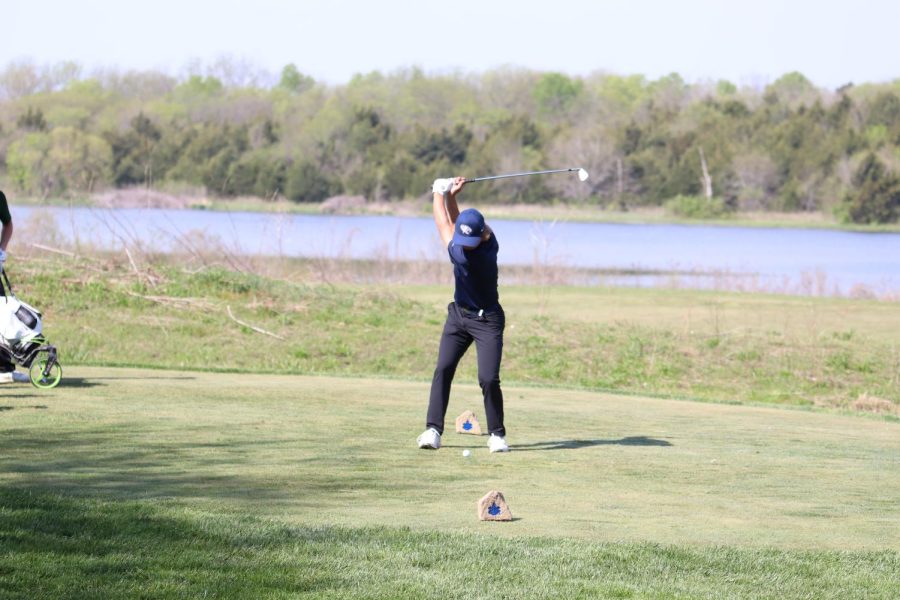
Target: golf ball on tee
466,453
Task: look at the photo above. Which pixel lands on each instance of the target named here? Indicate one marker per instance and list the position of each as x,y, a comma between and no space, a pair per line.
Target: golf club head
582,175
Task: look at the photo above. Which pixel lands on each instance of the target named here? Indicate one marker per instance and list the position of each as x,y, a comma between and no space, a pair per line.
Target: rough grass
63,547
835,353
150,483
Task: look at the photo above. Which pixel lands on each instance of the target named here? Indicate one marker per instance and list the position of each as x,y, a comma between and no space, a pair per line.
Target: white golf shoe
497,443
14,377
429,440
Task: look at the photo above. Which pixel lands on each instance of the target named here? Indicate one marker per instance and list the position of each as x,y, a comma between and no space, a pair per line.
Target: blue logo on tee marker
494,510
467,426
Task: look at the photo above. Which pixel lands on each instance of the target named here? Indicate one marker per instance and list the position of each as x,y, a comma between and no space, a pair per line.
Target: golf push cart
21,340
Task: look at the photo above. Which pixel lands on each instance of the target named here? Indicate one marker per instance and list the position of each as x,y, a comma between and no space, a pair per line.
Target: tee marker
493,507
467,423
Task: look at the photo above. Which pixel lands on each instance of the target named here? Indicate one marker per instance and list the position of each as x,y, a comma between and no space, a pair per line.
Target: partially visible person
6,233
8,373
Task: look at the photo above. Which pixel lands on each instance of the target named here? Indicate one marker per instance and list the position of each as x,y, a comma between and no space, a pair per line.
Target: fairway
315,451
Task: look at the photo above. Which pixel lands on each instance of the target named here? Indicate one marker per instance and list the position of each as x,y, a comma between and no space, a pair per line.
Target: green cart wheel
36,372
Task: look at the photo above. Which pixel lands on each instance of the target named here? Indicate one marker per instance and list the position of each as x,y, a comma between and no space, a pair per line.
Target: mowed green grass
176,483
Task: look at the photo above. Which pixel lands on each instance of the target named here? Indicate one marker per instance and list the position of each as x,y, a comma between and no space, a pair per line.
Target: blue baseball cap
468,229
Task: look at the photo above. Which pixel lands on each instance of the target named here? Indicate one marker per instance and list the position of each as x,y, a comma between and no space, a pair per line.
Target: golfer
474,315
8,373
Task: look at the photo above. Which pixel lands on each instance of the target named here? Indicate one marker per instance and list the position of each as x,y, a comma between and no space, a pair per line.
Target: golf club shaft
488,178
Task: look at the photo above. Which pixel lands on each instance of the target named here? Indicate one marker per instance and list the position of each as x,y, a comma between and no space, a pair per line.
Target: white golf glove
2,258
441,186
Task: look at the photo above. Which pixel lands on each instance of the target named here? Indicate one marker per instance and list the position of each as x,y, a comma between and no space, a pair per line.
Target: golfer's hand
457,185
441,186
2,258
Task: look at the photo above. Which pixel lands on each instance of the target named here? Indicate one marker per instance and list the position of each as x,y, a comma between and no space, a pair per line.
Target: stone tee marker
467,423
493,507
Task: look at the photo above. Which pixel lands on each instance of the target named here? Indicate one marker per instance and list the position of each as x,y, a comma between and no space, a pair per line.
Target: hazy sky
749,42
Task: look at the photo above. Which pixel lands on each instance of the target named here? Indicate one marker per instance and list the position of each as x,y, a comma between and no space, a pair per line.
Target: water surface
789,260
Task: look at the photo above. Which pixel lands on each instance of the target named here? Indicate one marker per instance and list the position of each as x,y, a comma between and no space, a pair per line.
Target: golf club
582,174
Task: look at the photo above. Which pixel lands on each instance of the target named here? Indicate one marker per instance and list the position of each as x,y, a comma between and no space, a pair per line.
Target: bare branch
256,329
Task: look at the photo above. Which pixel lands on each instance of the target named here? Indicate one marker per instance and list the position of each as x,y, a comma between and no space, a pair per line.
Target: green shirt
5,217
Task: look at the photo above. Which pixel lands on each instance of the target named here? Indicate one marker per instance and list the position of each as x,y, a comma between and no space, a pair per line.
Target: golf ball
466,453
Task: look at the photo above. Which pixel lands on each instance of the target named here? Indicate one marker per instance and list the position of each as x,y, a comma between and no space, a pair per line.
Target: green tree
271,178
32,120
669,93
876,194
307,183
367,129
294,81
197,85
80,160
554,93
793,89
884,109
404,177
725,88
256,174
806,145
621,95
206,155
884,117
452,146
26,164
62,160
134,152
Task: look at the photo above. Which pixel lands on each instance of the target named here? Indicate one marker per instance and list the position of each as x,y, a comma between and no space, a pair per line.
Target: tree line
702,147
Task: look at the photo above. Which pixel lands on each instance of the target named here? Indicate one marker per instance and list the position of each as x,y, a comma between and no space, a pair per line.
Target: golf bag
22,341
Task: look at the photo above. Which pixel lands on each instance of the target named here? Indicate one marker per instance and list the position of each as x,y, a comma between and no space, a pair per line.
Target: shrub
306,183
697,207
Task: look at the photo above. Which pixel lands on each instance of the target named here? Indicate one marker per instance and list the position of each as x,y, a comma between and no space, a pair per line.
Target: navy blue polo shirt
475,271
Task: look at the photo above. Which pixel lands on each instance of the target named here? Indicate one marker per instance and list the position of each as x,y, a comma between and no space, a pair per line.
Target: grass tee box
587,465
138,475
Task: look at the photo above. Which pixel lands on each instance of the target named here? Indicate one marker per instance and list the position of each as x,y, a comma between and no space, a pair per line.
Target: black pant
460,330
6,364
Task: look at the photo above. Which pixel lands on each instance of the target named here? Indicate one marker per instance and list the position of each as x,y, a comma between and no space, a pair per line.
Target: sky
750,42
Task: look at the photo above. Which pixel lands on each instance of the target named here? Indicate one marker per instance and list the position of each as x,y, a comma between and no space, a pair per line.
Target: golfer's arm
452,208
442,217
6,235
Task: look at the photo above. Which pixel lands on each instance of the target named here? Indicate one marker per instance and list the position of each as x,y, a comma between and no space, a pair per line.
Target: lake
800,261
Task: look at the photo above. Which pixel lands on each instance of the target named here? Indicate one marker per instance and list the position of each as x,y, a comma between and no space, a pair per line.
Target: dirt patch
874,404
343,205
143,198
